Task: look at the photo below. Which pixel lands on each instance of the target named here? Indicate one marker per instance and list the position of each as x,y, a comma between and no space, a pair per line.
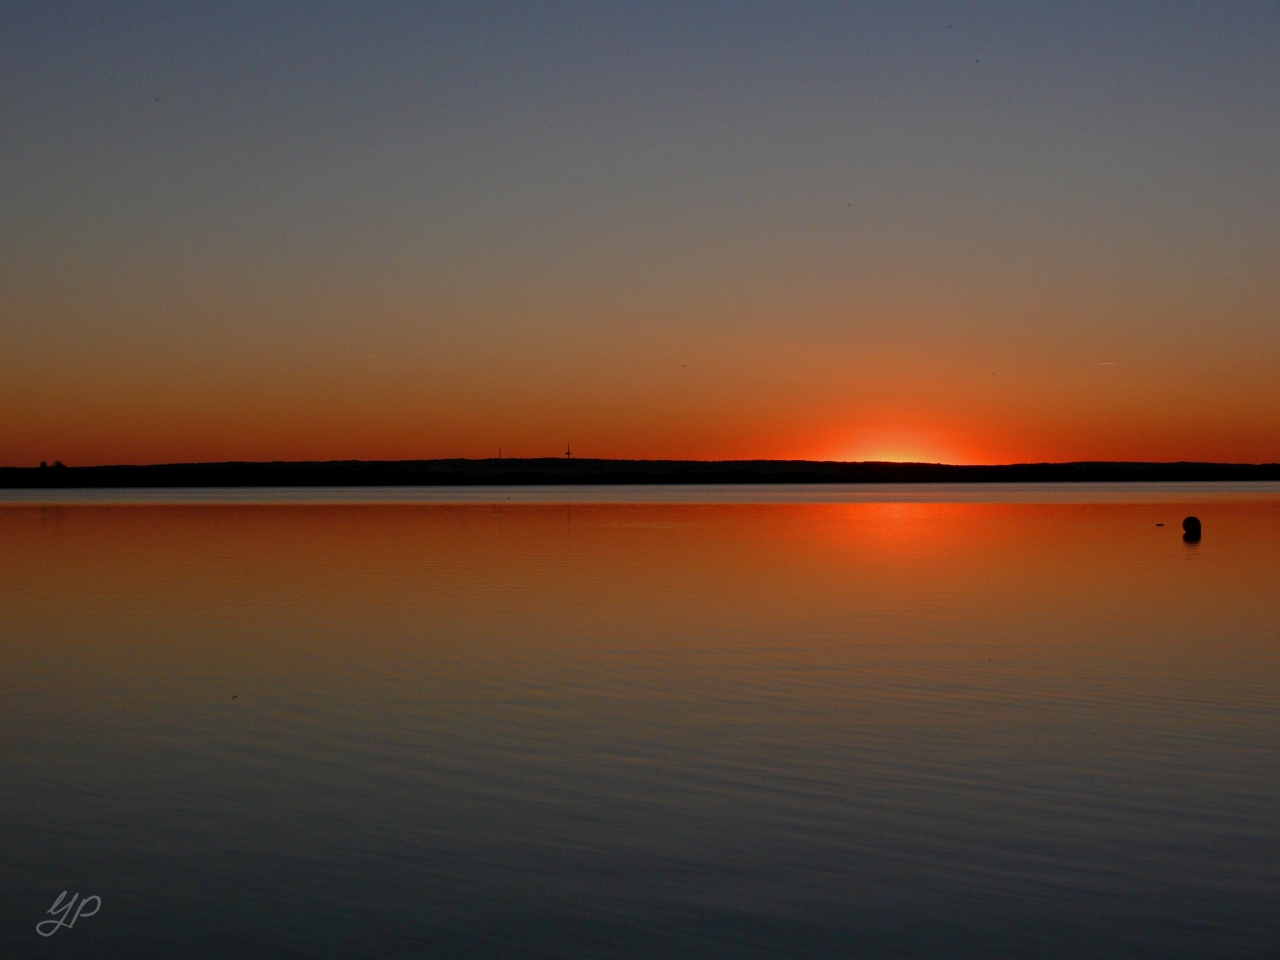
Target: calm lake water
832,722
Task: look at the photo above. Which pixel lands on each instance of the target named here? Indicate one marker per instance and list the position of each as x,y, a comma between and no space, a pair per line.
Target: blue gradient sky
956,231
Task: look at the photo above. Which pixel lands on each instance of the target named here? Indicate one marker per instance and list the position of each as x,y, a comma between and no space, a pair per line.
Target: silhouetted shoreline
562,471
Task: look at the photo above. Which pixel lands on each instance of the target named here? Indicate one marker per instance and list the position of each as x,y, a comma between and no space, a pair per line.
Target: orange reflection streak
346,586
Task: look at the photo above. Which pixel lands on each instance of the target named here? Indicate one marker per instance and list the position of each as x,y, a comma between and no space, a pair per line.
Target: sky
961,232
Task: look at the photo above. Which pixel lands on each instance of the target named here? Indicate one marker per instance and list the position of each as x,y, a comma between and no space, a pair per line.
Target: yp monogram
62,912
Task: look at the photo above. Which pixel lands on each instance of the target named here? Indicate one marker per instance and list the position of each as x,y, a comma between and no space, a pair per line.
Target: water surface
883,724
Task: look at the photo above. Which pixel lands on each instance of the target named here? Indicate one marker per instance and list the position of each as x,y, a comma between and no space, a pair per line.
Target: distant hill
509,472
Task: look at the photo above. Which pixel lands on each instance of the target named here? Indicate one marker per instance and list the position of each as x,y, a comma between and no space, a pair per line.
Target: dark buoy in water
1191,529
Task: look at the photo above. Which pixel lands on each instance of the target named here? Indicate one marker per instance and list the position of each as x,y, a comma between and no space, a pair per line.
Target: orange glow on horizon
646,413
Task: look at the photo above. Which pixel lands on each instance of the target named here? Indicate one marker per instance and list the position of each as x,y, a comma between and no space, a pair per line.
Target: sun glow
897,455
901,450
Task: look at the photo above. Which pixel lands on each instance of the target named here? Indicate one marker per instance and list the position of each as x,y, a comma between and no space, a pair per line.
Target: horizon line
561,459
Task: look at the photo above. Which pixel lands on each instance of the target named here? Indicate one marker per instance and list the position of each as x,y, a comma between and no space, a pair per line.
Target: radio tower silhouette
567,452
